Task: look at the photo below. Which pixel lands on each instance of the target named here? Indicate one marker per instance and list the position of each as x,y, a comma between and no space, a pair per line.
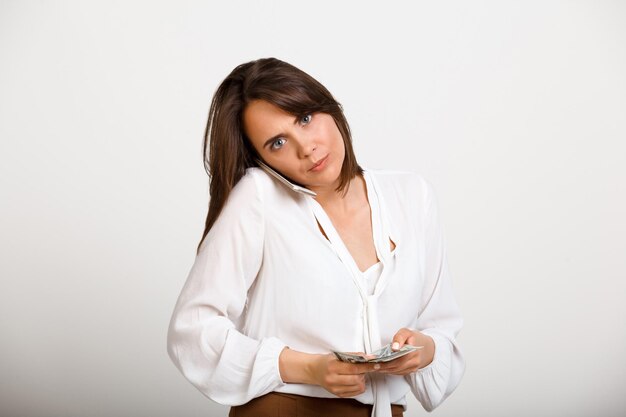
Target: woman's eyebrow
272,139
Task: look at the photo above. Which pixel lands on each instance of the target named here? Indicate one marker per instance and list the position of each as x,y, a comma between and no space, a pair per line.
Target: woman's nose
307,147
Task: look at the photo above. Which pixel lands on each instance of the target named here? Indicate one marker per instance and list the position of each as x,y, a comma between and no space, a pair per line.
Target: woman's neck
335,202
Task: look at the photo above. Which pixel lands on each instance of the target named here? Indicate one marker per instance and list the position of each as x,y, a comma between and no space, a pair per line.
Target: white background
515,111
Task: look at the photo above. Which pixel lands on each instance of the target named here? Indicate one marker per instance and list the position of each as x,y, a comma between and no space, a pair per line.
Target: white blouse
266,277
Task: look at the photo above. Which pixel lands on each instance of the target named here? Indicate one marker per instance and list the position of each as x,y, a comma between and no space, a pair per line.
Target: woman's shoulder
403,182
264,181
254,179
258,184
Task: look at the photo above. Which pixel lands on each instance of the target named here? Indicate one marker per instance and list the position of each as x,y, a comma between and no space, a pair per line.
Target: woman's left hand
414,360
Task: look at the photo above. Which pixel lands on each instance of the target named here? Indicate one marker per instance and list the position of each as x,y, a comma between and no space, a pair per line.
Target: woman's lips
319,165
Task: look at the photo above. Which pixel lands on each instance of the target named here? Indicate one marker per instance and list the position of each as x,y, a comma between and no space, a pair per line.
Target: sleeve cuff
429,384
267,364
442,352
247,369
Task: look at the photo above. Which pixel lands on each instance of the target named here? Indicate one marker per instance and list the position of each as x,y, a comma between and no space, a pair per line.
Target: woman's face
307,149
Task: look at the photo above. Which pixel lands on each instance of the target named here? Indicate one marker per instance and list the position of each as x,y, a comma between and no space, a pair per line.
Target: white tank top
371,275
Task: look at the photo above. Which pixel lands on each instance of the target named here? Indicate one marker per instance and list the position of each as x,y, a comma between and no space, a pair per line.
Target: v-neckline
335,240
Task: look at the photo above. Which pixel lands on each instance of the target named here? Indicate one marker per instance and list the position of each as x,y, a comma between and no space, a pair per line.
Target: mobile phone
284,180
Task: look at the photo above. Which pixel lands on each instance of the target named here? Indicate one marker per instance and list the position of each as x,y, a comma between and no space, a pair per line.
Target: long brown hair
230,152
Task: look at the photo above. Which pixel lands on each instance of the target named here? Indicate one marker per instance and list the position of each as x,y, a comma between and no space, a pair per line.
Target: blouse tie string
371,330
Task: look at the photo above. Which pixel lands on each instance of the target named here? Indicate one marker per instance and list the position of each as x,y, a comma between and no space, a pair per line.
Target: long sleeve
439,316
203,338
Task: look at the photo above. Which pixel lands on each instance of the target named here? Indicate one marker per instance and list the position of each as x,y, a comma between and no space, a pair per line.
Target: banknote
384,354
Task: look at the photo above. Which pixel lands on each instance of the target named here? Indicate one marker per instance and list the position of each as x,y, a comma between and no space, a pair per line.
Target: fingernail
377,367
396,345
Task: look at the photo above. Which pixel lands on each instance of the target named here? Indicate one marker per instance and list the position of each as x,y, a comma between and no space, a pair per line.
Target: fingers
345,368
402,337
345,385
344,379
402,366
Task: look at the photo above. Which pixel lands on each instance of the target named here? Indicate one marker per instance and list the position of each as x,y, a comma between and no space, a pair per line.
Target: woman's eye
278,143
306,119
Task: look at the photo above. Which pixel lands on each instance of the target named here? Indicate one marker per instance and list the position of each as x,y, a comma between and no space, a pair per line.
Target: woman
283,277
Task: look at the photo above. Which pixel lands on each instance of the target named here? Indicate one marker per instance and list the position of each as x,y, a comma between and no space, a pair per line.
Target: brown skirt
276,404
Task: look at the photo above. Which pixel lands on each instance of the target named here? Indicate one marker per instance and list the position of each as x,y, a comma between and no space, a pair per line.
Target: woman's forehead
261,118
264,107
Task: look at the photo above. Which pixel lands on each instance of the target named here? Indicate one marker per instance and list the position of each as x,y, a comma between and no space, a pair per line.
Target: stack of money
384,354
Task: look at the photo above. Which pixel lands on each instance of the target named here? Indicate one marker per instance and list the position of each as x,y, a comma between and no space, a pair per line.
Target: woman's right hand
339,378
